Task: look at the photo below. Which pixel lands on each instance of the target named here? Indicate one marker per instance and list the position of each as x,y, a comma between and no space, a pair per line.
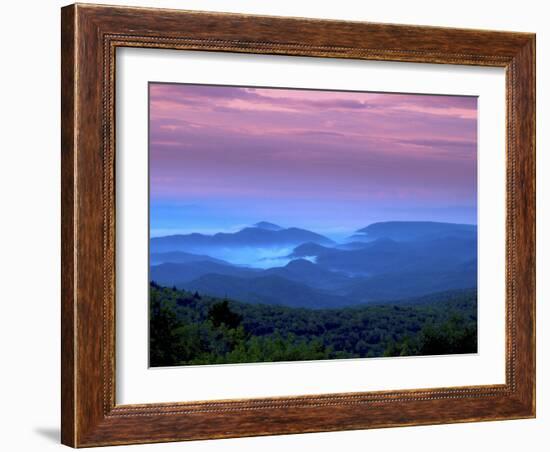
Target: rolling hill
390,256
310,274
171,274
400,285
266,289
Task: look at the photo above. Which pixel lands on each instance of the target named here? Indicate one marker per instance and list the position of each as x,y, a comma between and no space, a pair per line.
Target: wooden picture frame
90,36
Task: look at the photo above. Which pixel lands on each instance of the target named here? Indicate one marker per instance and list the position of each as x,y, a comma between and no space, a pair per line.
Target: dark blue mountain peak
268,226
300,264
308,249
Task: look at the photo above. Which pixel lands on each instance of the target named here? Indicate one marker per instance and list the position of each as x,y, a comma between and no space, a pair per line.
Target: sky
222,158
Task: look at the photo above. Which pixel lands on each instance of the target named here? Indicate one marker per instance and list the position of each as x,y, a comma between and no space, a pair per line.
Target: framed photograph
282,225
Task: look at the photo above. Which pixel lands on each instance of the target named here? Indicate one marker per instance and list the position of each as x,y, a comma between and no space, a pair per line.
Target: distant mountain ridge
265,236
181,257
387,255
414,230
396,260
172,274
300,270
268,226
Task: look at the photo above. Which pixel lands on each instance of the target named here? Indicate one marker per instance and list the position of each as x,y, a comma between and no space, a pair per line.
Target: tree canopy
192,328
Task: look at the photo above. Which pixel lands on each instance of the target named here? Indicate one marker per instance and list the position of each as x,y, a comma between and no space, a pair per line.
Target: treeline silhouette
191,328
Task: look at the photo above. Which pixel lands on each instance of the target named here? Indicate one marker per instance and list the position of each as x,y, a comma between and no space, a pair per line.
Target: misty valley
270,293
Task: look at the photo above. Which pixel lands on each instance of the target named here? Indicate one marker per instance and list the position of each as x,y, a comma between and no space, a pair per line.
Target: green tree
220,313
163,344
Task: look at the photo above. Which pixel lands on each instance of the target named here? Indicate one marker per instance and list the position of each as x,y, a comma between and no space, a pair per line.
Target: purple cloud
274,145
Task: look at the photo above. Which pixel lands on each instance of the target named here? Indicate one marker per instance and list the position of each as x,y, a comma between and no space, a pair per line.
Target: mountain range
262,234
415,230
392,260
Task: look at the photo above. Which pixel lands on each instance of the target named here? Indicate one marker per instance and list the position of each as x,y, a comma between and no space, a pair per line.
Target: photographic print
295,224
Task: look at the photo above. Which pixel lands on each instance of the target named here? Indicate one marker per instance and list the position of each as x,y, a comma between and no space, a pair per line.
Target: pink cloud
235,142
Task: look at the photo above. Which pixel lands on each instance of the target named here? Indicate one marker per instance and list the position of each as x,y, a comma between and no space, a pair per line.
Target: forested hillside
192,328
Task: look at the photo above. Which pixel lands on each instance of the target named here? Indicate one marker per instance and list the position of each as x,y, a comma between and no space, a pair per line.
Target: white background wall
29,234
